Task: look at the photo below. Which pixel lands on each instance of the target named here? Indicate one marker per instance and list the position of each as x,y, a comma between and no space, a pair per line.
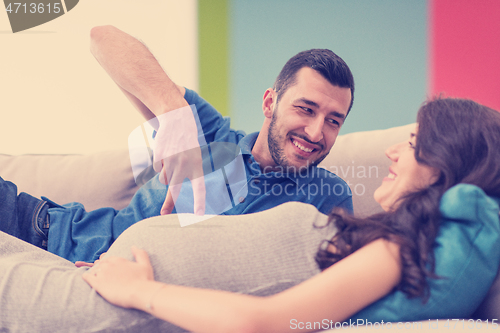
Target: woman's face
405,174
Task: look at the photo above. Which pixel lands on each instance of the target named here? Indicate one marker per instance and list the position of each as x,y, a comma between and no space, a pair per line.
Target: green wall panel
213,52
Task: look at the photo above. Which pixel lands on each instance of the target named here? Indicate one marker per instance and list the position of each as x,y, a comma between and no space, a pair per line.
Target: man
304,112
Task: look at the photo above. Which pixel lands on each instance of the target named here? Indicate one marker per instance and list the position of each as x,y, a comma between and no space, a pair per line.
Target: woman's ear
269,102
437,176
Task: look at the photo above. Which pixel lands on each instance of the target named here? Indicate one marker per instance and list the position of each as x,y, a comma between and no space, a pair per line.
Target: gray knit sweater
260,254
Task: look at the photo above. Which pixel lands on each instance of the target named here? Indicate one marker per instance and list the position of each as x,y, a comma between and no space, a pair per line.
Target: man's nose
314,129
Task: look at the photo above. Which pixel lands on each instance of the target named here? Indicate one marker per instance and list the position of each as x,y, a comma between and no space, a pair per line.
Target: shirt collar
246,144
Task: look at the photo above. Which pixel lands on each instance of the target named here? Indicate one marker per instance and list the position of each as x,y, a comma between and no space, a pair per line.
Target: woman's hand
89,264
120,281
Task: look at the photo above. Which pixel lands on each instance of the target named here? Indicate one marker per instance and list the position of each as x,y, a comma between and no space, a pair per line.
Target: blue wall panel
384,42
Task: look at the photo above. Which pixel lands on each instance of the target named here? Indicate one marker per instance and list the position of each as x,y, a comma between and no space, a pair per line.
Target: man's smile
304,147
307,150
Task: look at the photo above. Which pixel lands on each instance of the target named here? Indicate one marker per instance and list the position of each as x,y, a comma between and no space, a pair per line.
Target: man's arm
136,71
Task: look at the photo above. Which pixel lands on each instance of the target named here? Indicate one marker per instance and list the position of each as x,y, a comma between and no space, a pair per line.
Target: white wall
54,96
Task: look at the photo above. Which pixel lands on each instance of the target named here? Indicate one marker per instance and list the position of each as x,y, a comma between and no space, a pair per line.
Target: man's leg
23,216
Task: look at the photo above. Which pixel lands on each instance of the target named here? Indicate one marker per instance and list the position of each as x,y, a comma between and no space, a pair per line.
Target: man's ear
269,102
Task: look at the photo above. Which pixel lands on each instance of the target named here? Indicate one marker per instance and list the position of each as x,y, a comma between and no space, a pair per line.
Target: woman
456,142
386,254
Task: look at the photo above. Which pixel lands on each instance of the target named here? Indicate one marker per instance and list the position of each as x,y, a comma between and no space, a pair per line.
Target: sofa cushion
467,254
96,180
490,307
359,158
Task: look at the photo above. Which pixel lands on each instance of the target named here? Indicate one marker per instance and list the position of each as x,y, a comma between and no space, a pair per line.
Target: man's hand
177,156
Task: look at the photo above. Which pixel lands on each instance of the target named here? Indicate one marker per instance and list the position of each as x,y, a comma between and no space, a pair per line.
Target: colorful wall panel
401,52
465,49
384,43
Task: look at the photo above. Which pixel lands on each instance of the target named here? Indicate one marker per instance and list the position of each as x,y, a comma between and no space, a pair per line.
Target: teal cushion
467,256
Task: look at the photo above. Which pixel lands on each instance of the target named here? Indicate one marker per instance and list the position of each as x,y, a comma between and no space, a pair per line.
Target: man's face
306,121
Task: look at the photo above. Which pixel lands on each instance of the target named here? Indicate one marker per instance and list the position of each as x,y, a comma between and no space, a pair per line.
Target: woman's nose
393,151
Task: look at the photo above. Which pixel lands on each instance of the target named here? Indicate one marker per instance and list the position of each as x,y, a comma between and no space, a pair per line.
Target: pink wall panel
465,49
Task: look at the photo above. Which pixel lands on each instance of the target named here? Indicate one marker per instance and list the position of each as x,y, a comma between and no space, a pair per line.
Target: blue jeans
23,216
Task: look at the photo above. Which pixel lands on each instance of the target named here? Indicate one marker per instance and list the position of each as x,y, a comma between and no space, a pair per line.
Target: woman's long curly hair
461,139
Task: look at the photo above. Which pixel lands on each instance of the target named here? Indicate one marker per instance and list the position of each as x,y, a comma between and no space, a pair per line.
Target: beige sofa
105,179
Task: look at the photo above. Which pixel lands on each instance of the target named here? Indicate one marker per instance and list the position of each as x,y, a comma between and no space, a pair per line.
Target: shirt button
241,199
256,181
249,161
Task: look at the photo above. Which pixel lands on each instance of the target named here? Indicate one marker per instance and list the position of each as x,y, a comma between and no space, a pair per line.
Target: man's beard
277,151
273,139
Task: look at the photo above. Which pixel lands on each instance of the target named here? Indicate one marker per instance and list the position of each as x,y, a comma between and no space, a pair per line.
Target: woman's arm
335,294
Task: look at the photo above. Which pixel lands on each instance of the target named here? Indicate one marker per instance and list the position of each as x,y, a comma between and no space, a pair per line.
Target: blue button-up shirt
236,187
316,186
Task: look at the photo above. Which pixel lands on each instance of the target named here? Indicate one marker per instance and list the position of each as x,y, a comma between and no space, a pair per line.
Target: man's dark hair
325,62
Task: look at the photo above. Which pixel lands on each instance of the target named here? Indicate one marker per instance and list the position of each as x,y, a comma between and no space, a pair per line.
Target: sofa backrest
359,158
96,180
105,179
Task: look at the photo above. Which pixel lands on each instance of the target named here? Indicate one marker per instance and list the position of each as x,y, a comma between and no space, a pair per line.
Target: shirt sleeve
215,127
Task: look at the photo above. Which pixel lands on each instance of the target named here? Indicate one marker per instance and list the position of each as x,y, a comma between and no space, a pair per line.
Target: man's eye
333,121
307,110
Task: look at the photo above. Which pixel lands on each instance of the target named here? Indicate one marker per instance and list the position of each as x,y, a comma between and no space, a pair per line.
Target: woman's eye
411,144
